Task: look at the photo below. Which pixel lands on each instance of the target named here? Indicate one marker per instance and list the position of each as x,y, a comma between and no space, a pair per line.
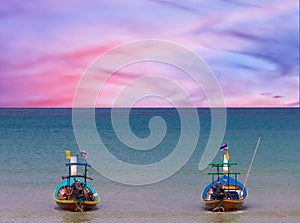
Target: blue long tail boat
225,192
74,193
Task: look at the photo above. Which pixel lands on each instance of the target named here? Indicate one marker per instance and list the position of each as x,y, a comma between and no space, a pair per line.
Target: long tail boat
74,193
225,192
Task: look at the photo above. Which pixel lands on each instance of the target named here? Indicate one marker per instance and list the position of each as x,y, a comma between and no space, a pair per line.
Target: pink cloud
48,81
43,66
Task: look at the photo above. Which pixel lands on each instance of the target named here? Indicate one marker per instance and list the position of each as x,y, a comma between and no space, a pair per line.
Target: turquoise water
32,144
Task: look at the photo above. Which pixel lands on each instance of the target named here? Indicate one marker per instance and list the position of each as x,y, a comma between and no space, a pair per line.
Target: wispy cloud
252,47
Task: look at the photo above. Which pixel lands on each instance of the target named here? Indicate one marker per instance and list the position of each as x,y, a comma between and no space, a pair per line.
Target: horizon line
204,107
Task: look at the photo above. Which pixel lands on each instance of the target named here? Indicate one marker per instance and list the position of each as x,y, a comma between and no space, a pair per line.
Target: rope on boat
248,172
219,208
80,206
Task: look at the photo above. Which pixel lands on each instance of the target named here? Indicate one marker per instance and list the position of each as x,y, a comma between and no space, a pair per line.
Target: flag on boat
83,154
68,154
225,161
224,147
227,155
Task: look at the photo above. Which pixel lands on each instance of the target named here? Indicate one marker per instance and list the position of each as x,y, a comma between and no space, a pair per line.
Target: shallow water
32,163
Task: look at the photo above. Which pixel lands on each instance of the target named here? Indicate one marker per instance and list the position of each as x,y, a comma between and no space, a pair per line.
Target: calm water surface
32,144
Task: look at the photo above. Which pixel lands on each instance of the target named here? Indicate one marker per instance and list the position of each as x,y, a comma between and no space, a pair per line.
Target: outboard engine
218,191
77,189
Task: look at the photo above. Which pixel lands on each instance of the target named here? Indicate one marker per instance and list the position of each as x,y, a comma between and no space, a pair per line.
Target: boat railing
221,164
71,176
223,173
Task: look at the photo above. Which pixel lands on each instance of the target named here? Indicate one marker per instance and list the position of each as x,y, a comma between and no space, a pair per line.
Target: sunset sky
252,47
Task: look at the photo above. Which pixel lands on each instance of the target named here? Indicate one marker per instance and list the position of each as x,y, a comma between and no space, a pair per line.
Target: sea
32,161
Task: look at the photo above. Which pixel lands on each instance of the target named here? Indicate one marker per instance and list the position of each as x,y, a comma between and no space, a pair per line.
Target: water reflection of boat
74,193
225,192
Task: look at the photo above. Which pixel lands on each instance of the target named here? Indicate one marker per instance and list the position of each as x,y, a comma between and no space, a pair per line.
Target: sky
252,47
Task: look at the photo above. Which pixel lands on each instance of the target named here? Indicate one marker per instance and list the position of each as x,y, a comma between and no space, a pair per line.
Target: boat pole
248,172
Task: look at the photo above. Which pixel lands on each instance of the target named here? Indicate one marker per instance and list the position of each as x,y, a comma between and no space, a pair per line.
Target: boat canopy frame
85,164
218,173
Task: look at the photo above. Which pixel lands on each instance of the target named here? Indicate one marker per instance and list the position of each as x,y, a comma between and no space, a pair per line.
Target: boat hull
72,205
225,205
